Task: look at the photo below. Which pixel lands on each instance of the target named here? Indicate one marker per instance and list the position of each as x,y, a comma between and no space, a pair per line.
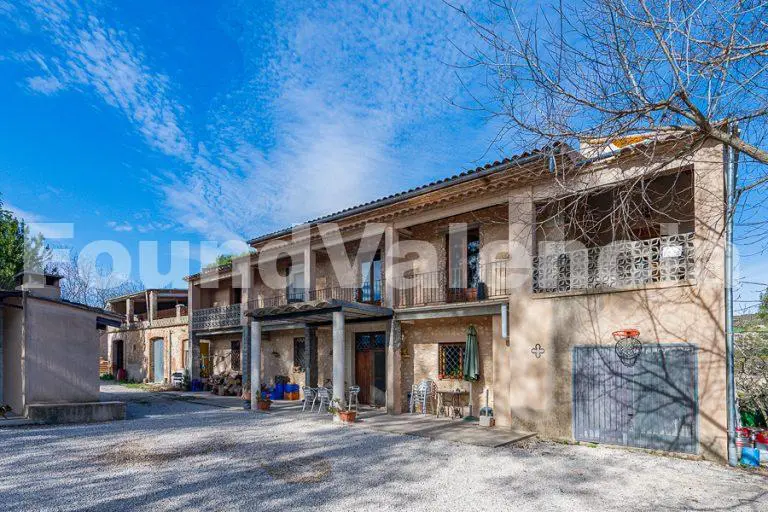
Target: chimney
39,284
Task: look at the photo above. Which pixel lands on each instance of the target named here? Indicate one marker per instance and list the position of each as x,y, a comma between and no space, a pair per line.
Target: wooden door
364,375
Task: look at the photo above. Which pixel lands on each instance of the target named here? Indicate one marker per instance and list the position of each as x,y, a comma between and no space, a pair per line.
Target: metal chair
422,394
325,399
353,392
310,395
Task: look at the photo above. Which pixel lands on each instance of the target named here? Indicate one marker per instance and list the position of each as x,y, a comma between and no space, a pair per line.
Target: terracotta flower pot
264,405
347,416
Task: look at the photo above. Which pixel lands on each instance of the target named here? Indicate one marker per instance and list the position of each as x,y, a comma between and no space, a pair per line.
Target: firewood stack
227,384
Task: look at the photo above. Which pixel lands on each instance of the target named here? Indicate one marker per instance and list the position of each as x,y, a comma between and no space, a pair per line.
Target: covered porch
335,323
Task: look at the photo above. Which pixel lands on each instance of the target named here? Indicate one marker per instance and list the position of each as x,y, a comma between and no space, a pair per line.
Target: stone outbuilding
50,354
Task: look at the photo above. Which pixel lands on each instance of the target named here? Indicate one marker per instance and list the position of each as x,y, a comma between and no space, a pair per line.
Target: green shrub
107,376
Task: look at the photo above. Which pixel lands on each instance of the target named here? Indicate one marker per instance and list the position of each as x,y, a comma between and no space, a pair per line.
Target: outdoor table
449,399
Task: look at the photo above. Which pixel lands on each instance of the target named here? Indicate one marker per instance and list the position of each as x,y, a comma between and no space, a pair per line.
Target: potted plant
264,403
246,399
344,415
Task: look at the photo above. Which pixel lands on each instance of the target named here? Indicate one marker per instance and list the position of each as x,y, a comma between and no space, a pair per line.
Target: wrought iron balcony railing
618,265
369,293
216,318
488,281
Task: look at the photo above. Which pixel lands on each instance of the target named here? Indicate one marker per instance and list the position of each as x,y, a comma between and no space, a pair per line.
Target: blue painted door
159,366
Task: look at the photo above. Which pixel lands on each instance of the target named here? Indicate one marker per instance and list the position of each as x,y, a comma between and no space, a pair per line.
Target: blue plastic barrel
750,456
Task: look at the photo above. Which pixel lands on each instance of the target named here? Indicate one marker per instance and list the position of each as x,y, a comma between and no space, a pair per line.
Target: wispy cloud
120,227
24,215
346,92
104,60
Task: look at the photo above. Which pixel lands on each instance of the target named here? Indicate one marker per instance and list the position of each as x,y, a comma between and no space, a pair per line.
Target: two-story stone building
546,254
152,340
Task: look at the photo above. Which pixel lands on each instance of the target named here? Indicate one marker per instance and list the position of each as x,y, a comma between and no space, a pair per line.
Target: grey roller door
653,404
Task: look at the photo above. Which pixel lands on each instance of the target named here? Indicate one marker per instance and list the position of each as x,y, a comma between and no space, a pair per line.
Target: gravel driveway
175,455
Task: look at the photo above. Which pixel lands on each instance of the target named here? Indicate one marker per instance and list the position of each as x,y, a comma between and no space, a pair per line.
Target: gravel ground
174,455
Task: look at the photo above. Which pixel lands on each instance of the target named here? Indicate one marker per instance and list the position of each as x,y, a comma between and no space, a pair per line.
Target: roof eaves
472,174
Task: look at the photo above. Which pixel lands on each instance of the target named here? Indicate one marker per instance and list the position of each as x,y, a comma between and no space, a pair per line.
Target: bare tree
86,282
607,70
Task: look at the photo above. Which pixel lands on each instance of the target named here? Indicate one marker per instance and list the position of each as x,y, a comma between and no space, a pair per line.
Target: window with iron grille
451,360
298,353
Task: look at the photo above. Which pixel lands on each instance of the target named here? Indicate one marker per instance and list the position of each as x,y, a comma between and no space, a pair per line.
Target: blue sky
192,120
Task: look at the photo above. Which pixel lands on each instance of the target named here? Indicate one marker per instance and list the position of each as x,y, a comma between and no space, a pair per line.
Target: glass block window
299,347
451,360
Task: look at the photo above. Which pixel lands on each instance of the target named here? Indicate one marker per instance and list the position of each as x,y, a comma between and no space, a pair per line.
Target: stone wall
137,348
419,359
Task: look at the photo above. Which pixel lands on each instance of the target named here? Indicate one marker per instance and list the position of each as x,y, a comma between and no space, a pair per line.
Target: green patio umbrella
471,364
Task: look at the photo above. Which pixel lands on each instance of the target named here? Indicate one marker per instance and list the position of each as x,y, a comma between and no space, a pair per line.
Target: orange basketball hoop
625,333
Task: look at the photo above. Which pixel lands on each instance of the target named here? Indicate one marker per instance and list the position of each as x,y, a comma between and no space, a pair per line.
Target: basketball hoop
628,346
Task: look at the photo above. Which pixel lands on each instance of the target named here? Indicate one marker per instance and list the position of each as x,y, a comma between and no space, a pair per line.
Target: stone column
152,306
394,392
255,364
193,357
310,356
309,272
390,259
338,355
245,356
128,311
245,340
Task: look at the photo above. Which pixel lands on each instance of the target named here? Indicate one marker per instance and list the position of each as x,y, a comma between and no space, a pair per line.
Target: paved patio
428,426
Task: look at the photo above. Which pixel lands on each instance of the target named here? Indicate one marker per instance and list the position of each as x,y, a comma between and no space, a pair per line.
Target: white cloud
24,215
104,60
120,226
340,89
45,84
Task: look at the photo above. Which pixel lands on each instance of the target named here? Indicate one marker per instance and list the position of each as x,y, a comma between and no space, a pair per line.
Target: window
464,259
234,347
370,290
294,289
299,347
370,341
451,360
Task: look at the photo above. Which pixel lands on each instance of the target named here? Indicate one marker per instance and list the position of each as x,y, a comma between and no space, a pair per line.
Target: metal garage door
653,404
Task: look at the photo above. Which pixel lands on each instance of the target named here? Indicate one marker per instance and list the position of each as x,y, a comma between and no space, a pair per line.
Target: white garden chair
422,395
353,392
324,396
310,396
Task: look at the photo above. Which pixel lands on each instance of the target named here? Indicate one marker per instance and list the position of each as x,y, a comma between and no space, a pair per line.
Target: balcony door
370,285
463,273
294,291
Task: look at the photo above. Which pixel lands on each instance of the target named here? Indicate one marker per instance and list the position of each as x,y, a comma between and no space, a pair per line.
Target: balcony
369,293
216,318
491,281
619,265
